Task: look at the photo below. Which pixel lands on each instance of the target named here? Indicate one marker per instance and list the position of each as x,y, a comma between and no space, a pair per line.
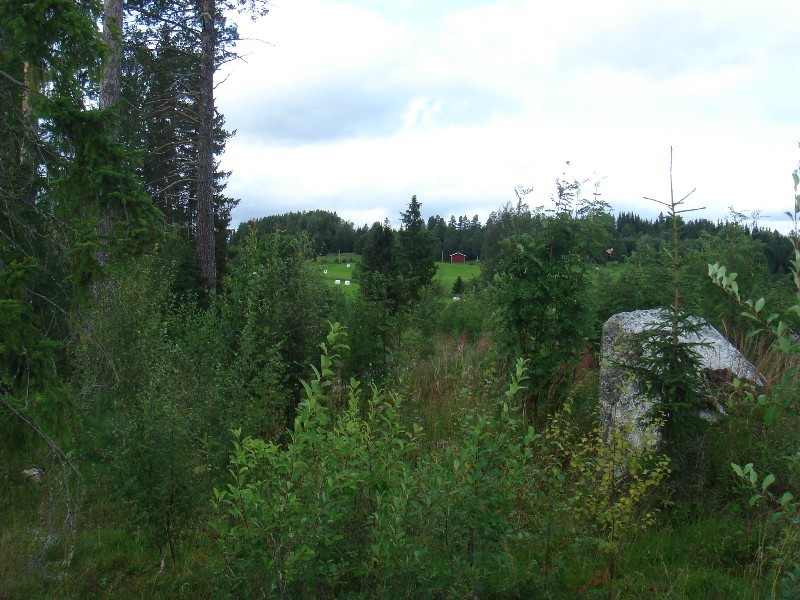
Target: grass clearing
341,267
341,271
447,273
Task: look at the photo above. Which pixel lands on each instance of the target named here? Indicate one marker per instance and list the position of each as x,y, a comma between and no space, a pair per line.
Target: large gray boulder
623,406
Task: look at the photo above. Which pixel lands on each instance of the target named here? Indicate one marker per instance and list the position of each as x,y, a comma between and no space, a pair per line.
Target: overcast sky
354,105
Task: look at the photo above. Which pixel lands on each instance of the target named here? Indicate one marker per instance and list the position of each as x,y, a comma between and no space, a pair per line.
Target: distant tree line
777,248
620,235
327,231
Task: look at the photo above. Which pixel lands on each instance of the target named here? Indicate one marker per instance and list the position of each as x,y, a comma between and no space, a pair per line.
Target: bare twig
47,440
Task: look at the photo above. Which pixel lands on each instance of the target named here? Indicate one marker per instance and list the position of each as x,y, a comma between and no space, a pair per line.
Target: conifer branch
12,79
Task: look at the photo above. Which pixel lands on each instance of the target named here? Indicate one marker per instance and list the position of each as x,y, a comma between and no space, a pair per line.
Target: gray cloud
321,111
358,106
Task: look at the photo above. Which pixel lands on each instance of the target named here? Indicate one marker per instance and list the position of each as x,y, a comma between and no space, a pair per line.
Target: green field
448,273
333,270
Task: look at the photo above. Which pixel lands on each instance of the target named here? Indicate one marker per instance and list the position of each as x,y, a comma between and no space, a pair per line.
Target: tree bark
27,140
112,69
204,232
109,96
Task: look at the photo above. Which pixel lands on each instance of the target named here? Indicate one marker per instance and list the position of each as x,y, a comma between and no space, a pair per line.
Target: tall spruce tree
65,171
416,247
175,48
379,270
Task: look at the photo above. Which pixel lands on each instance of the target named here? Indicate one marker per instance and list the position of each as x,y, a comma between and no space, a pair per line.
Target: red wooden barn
457,257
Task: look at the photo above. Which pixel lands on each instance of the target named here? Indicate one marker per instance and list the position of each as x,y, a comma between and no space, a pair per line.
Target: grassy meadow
448,273
341,267
334,268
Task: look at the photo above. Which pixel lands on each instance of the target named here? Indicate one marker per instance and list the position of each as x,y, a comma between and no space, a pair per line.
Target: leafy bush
467,316
142,409
182,376
353,504
539,291
781,402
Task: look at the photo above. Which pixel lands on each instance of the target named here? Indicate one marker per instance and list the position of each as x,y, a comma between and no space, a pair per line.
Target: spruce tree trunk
112,69
204,232
109,96
29,134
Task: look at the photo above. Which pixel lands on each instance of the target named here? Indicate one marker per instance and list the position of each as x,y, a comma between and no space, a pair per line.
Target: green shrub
780,402
352,504
466,317
163,381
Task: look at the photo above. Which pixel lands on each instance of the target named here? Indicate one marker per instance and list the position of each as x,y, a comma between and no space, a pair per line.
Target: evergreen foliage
159,113
668,367
415,246
64,172
463,235
327,230
379,272
458,286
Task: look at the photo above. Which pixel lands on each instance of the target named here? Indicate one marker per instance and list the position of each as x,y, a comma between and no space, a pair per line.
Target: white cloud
357,106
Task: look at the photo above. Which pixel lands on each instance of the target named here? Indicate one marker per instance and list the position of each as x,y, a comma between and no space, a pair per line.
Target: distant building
457,257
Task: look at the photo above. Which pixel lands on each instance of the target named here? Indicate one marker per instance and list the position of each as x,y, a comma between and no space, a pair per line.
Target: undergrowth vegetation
359,502
284,438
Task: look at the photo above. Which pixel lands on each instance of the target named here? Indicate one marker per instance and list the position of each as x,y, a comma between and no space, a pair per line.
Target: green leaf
753,475
737,469
768,481
759,304
770,414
